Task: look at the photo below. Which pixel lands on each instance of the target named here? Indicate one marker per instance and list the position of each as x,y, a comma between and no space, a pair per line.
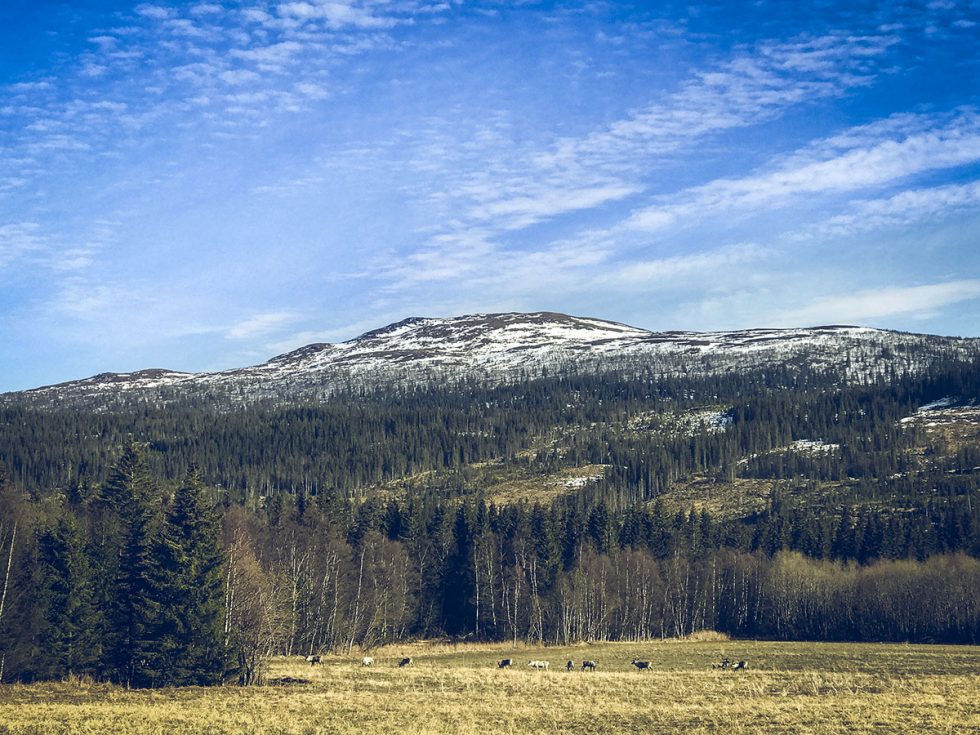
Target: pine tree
187,587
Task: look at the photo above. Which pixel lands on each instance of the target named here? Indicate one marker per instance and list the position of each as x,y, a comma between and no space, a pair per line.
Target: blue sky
204,185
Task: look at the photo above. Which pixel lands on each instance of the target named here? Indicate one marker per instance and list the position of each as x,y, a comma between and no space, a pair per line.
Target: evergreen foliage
368,521
188,590
67,641
129,509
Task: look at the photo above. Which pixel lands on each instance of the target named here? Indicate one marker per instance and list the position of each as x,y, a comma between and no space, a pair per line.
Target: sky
204,185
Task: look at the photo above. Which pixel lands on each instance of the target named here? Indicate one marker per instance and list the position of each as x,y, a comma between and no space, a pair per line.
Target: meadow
814,688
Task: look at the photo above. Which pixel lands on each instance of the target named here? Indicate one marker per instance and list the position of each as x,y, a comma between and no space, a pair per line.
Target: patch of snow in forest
573,483
941,403
813,445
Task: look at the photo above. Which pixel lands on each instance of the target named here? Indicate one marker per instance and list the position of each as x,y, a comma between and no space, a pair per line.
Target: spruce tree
187,585
67,642
457,578
124,553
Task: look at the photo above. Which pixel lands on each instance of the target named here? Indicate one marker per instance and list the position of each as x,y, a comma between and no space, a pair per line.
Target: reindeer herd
587,665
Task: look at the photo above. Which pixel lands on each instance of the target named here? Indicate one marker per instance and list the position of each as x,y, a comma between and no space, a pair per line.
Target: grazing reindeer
505,663
588,665
569,666
367,661
313,660
405,662
741,665
640,665
539,664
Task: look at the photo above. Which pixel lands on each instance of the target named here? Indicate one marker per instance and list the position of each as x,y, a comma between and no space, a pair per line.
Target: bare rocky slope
501,348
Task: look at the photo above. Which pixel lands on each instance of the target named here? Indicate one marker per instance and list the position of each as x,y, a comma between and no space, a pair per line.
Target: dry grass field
788,688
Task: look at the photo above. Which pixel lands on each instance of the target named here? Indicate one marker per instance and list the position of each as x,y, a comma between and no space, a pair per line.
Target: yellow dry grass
500,482
543,488
814,689
723,499
959,427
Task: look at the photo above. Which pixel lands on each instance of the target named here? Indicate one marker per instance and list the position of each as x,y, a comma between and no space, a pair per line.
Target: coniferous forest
175,545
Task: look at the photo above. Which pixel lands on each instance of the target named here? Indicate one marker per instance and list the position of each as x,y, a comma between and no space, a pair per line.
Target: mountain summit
500,348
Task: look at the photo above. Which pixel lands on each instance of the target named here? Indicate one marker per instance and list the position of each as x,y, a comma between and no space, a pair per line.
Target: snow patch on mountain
500,348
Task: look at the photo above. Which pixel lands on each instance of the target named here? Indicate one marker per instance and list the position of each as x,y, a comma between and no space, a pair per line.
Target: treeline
148,588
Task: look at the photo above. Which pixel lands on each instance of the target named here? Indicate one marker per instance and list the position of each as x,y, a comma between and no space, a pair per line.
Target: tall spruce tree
189,592
124,551
67,642
457,579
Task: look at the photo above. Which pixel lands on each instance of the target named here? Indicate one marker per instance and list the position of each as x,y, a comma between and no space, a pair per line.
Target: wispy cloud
79,299
289,186
880,303
544,202
205,9
259,325
17,239
756,84
447,256
170,60
703,266
336,14
826,169
905,209
35,246
484,271
157,12
524,186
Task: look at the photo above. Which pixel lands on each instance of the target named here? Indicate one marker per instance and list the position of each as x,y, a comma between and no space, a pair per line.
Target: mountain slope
500,348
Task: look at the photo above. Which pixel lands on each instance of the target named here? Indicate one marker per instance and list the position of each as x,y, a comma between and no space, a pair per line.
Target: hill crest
506,347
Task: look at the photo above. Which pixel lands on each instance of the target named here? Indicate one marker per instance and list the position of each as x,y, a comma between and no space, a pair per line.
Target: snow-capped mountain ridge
498,348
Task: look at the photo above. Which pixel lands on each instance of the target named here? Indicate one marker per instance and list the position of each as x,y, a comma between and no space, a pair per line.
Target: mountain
492,349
